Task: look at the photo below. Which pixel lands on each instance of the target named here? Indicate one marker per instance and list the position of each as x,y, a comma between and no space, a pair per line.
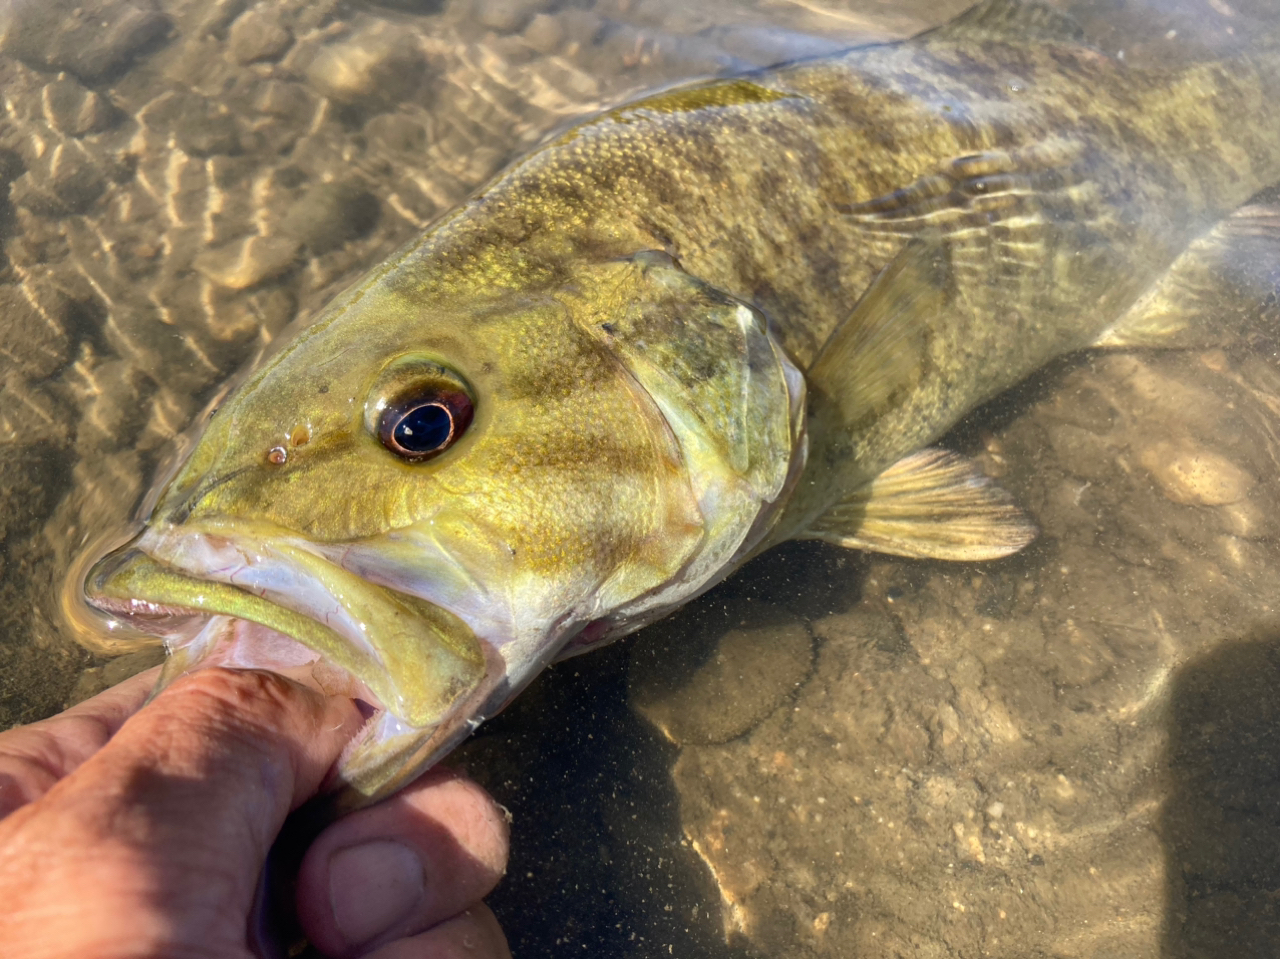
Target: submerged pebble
379,62
1196,477
258,35
91,40
708,687
73,110
249,262
63,181
330,214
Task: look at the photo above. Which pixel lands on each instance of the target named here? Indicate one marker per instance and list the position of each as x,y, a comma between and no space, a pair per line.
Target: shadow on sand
1221,824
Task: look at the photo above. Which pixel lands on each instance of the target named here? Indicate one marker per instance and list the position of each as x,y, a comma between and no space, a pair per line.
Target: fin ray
934,504
1221,281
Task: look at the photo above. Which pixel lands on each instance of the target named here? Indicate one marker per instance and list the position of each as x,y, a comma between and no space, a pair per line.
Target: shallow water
1069,753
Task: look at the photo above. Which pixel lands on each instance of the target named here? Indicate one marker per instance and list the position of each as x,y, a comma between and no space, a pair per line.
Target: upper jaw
237,593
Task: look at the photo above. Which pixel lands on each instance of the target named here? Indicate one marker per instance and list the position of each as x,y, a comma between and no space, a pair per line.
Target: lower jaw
384,755
240,644
207,623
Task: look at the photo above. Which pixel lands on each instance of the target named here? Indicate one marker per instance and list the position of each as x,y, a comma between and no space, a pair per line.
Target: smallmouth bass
686,330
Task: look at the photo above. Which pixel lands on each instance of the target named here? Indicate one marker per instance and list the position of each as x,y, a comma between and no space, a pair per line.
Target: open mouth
247,597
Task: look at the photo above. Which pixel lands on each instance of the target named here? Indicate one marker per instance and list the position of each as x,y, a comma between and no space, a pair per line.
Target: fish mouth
247,595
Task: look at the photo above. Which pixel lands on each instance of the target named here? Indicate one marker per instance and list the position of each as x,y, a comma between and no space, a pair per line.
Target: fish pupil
423,420
424,429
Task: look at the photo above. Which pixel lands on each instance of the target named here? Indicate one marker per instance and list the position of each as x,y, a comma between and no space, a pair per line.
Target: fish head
421,504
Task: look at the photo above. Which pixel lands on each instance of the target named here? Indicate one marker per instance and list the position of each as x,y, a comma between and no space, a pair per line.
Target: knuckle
246,701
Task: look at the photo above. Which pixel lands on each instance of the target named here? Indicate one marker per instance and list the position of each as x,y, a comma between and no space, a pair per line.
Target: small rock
330,214
32,477
1196,477
281,98
218,15
90,39
73,110
377,63
200,126
116,413
582,27
258,35
31,339
245,316
11,166
64,181
1250,518
396,133
505,16
709,687
248,262
544,33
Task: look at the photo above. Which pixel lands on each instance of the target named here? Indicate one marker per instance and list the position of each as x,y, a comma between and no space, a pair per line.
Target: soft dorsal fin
933,504
1011,20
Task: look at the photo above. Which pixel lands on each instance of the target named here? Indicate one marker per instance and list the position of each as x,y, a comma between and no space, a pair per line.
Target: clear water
1073,752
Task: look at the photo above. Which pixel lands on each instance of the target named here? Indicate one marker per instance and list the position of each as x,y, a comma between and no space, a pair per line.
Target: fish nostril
277,456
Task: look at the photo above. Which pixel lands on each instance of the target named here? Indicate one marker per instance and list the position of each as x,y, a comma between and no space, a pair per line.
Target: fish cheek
584,486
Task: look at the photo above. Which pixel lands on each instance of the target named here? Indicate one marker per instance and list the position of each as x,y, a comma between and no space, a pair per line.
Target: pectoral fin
933,504
871,363
878,353
1213,292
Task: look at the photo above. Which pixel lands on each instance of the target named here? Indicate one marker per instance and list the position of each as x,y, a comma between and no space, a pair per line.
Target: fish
683,331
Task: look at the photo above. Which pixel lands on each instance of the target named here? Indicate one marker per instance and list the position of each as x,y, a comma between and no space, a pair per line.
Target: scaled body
688,329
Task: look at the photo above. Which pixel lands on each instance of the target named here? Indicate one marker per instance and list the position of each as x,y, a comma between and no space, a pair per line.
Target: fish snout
242,597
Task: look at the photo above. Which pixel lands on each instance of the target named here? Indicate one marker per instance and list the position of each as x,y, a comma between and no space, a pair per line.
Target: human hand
144,835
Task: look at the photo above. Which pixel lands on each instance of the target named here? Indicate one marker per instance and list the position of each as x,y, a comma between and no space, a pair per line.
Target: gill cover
728,392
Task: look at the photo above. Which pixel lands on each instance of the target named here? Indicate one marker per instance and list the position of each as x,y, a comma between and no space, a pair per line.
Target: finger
34,757
473,935
159,838
402,866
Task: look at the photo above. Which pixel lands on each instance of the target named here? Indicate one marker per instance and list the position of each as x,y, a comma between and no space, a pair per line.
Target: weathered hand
144,835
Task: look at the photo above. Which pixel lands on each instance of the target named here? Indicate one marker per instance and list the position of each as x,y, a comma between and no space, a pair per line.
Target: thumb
153,846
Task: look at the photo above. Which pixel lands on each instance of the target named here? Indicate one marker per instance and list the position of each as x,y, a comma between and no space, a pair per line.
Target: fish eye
417,408
425,421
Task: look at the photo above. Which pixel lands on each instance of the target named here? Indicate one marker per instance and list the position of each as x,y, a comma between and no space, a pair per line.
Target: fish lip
184,583
180,624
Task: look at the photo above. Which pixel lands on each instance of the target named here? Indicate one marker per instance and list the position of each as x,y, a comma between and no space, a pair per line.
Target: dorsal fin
1011,20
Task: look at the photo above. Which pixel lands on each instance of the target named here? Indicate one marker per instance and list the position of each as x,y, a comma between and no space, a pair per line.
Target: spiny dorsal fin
1011,20
933,504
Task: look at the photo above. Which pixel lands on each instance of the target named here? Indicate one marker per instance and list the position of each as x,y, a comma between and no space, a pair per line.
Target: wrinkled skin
145,835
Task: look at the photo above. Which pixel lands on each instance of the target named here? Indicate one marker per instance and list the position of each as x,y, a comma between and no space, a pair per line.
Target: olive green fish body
1065,181
684,330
